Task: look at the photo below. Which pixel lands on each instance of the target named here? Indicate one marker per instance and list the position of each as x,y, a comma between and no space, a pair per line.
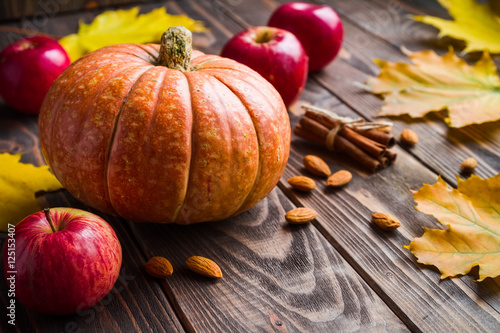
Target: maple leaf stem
176,48
49,219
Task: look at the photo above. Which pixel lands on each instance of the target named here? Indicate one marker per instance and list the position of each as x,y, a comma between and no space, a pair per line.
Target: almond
317,166
339,178
204,266
469,165
409,137
385,221
302,183
159,267
301,215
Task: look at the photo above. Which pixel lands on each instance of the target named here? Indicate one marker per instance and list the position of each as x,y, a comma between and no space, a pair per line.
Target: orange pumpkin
203,139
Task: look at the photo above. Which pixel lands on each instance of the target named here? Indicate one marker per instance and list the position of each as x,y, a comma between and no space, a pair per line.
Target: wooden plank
65,23
391,21
39,10
387,191
373,26
335,296
354,64
439,148
422,284
272,272
481,141
56,27
136,302
415,229
276,277
408,287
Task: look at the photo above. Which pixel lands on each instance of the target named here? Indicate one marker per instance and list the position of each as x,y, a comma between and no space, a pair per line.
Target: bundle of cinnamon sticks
366,143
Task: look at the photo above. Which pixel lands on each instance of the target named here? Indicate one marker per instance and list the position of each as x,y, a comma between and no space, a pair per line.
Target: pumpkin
161,133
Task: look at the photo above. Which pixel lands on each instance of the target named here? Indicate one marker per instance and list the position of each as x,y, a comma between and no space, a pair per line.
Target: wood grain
382,24
275,275
339,273
398,181
327,305
440,148
38,11
250,13
379,255
253,252
135,304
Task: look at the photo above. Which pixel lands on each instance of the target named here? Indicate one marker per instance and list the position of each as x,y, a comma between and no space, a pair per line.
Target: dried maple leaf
123,26
471,94
18,184
474,23
472,213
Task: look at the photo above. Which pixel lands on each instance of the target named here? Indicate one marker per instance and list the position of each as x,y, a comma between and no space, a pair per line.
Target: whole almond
469,165
301,215
409,137
204,266
385,221
339,178
317,166
159,267
302,183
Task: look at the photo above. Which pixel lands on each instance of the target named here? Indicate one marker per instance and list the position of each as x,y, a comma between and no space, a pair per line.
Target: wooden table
337,274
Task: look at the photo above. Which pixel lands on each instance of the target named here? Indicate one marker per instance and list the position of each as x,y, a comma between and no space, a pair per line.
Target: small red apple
27,69
318,27
66,260
275,54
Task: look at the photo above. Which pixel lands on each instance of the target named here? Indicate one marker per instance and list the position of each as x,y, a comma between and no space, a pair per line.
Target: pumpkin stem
176,48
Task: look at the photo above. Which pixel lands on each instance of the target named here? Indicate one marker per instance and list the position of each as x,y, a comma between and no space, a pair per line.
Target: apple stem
49,218
176,48
263,37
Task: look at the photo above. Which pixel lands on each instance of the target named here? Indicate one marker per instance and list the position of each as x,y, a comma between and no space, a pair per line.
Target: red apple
66,260
318,28
27,69
275,54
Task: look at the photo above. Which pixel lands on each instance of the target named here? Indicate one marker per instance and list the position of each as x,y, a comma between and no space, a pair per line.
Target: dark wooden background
338,274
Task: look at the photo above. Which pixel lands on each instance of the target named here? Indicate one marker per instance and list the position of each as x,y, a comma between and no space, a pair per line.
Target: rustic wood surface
45,9
337,274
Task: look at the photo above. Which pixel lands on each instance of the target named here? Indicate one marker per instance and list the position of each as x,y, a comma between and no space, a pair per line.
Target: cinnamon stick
368,147
312,130
315,127
378,136
373,148
391,156
322,119
384,161
343,145
305,134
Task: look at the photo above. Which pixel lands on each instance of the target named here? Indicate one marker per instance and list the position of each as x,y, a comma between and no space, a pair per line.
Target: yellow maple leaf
472,213
473,22
124,26
18,184
471,94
